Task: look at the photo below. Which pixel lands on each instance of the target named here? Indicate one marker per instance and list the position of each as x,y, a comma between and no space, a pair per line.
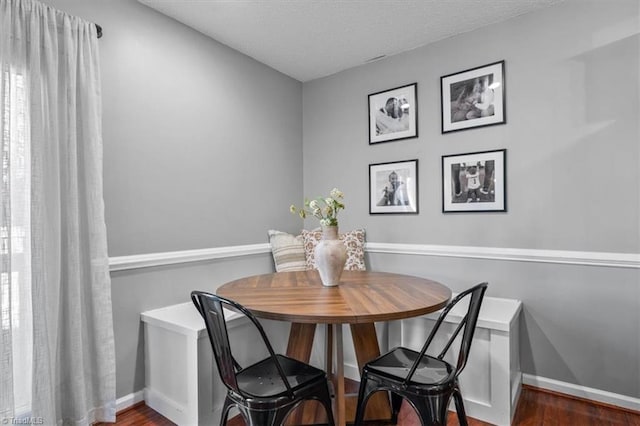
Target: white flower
325,209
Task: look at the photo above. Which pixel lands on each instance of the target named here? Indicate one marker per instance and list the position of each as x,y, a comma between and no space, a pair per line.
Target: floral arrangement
325,209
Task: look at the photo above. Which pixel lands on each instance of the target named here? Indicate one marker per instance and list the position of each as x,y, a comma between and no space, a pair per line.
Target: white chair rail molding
587,258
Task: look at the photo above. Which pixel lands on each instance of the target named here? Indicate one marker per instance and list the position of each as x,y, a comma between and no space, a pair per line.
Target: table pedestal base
365,344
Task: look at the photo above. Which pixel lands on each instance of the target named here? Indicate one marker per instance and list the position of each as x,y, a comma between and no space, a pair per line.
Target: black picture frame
393,187
473,98
393,114
474,182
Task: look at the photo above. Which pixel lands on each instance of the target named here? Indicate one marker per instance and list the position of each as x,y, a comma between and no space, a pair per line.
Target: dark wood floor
536,407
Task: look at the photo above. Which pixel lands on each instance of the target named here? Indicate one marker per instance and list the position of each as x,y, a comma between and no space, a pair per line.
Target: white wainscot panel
491,381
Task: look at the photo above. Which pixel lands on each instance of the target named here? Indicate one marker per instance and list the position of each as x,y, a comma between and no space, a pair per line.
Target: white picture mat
499,178
378,178
378,100
497,117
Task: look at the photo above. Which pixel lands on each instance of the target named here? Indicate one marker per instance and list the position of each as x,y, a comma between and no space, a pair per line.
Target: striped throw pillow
287,251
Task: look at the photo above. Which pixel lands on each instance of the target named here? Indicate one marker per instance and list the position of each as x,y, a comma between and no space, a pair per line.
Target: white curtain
57,359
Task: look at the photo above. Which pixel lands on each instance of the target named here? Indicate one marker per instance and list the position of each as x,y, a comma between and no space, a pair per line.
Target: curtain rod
99,28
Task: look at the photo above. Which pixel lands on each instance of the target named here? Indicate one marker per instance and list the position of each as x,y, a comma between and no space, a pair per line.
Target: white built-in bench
178,365
181,382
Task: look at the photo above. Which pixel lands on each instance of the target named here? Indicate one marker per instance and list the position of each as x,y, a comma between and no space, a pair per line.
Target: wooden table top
361,297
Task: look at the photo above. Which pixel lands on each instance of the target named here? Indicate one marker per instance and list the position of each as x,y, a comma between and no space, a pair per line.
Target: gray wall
202,144
202,148
572,86
571,134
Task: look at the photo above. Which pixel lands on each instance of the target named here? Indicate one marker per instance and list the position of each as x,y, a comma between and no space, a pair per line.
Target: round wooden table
361,298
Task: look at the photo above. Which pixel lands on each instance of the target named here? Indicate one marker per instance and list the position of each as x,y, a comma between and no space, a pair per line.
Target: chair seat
397,363
262,380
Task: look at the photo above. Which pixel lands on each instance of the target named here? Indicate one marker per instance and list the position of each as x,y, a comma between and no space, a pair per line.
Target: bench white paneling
491,381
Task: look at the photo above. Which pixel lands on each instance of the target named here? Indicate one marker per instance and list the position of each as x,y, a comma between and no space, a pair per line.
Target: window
15,238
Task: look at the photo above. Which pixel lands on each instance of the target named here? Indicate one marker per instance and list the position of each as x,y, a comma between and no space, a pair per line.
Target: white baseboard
582,392
129,400
180,413
351,371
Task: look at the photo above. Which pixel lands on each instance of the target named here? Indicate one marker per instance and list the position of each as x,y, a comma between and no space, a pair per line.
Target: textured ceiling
309,39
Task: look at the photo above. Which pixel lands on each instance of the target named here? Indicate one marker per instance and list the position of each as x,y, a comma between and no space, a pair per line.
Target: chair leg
280,415
263,417
325,399
225,411
330,420
366,389
396,403
462,415
323,396
432,410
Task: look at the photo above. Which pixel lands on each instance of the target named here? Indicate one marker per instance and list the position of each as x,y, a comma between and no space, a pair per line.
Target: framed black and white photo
474,182
393,187
473,98
393,114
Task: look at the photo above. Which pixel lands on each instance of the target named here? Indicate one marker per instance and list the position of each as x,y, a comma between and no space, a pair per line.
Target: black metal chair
264,392
426,382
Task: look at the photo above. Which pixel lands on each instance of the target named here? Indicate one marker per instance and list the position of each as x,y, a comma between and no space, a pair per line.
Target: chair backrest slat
471,320
213,315
211,307
461,324
468,324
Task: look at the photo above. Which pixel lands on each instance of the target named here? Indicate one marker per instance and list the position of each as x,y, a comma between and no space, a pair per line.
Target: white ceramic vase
330,255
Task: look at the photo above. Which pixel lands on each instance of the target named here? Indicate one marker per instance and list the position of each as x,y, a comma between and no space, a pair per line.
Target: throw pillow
354,240
287,251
